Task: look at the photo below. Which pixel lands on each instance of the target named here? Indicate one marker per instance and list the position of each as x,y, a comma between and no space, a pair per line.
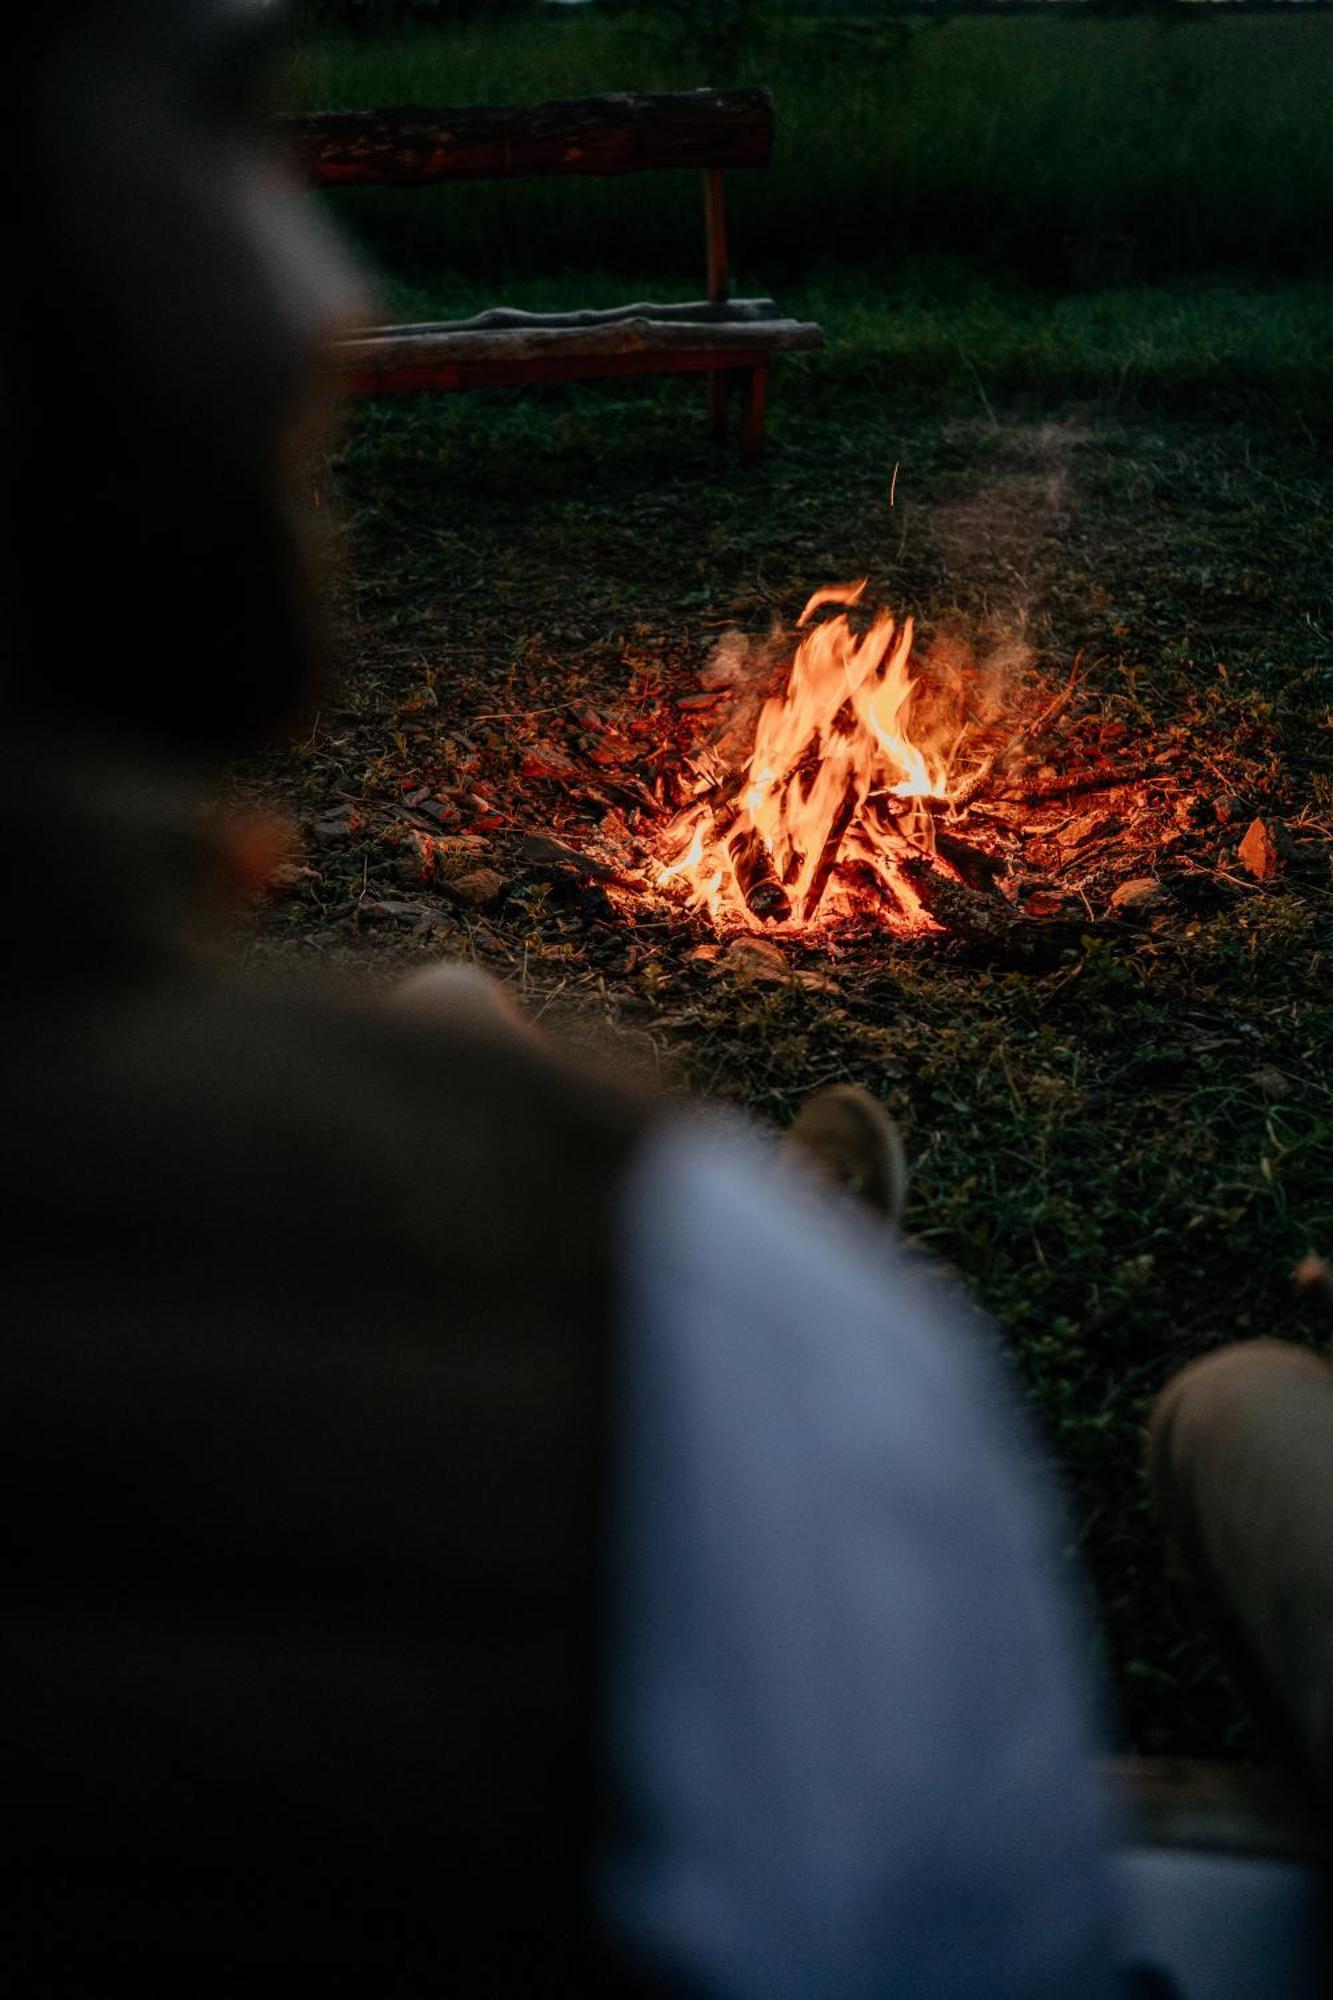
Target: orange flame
833,798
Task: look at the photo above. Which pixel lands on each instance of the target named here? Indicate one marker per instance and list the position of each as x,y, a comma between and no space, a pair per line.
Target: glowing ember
834,798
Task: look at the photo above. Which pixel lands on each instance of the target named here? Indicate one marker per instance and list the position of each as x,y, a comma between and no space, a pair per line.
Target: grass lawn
1012,141
1123,1155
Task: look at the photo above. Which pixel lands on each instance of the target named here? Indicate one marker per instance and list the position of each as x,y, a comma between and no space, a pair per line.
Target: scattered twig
981,776
1038,790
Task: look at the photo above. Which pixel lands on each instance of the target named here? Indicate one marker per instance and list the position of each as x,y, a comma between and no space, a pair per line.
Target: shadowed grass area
1207,141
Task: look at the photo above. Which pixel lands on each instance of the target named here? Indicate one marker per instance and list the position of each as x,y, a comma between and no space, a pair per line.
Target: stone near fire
479,888
1137,898
755,961
1258,852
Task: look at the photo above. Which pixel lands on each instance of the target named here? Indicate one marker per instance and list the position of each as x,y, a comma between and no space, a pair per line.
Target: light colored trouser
1241,1465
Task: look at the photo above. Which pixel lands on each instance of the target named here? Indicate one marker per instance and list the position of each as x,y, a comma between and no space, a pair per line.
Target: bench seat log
742,312
394,349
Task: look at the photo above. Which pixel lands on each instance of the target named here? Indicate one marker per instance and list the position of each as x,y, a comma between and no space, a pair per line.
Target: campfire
836,786
849,765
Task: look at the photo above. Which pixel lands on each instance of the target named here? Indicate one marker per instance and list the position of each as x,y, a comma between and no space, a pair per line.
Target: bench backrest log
417,146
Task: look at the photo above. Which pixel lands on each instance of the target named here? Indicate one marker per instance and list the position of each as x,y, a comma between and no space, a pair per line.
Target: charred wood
757,878
990,922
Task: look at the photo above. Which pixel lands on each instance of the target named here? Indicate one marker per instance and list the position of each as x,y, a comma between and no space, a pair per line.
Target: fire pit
841,785
845,785
835,797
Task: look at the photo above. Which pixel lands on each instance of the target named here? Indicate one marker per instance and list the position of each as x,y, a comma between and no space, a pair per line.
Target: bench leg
752,424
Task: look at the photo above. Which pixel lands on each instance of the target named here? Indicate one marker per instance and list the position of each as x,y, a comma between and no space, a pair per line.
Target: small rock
291,874
1044,903
389,909
1136,898
479,888
755,961
1258,852
335,827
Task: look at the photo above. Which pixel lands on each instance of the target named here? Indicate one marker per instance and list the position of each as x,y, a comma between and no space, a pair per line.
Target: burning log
990,921
757,878
828,858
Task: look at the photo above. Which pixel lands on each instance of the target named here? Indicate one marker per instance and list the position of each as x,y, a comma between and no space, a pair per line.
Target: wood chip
1258,852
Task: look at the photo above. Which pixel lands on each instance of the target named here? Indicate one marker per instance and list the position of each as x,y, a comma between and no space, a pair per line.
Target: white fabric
847,1726
1226,1926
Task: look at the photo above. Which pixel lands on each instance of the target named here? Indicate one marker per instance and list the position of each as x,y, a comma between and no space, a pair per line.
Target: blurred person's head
169,295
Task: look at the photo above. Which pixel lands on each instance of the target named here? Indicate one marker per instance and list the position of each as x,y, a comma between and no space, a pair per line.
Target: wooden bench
729,340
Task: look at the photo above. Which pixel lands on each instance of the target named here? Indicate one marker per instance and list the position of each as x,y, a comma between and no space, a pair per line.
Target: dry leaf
1258,852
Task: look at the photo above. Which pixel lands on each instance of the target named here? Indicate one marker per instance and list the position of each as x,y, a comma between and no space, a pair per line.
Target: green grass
1123,1159
941,327
1208,141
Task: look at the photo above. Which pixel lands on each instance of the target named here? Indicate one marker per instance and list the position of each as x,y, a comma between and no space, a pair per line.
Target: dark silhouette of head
173,289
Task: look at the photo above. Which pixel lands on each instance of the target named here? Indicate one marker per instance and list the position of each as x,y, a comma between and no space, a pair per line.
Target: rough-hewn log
444,376
740,312
384,353
412,145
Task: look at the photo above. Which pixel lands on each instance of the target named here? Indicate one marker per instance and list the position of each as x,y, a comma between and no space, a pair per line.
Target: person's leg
461,997
1240,1460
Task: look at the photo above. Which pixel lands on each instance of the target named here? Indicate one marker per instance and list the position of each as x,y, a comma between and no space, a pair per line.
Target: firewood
990,921
756,877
